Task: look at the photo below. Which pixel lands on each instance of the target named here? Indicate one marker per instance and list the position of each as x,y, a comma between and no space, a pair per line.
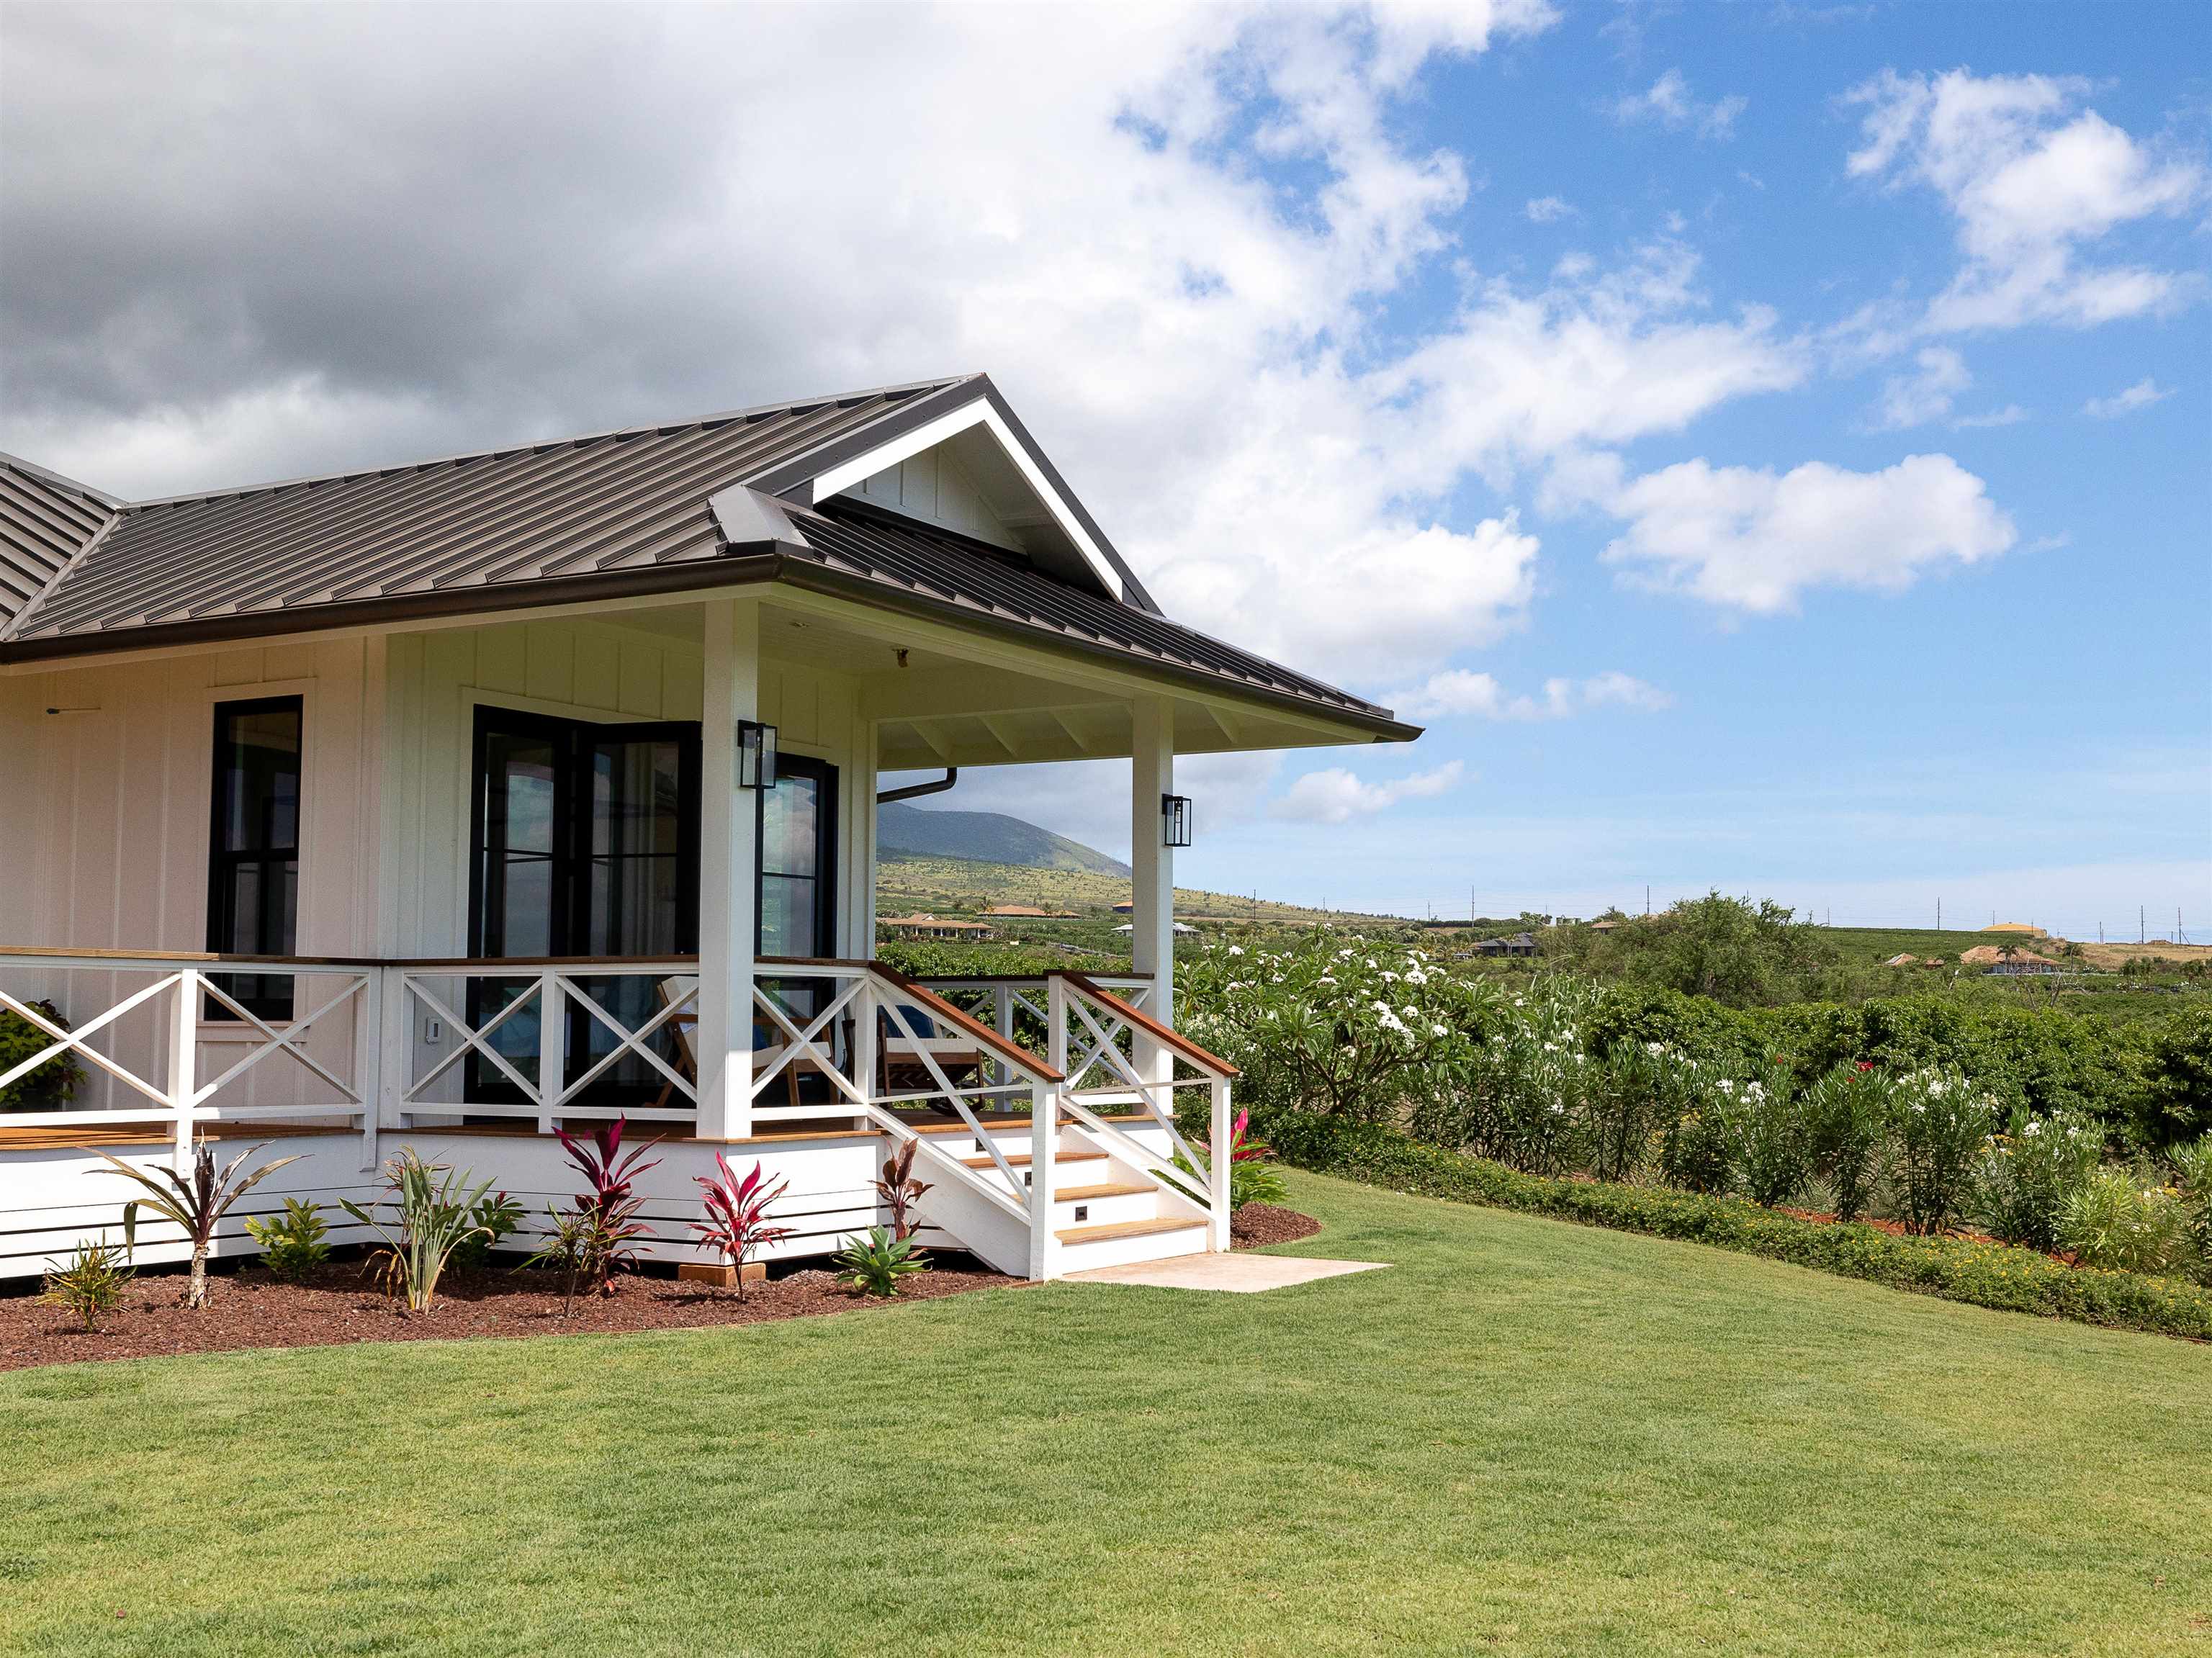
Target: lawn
1526,1437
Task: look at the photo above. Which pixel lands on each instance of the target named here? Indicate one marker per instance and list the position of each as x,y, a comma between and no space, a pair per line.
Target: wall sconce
755,755
1175,819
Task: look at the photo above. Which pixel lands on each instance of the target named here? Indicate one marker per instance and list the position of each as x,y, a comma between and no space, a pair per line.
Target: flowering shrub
1942,1124
2128,1220
1331,1022
1770,1138
2025,1175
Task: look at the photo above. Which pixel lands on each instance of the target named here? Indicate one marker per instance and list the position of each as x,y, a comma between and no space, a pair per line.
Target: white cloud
1940,375
1546,210
2143,393
1462,691
1669,103
2011,415
2034,180
1747,539
1335,796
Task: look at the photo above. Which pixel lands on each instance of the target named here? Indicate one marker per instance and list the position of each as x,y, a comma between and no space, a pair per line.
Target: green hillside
990,837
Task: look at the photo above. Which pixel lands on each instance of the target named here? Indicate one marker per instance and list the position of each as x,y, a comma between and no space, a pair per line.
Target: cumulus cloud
1749,539
1463,691
1175,285
1335,796
1669,103
1547,209
1939,374
2034,180
2143,393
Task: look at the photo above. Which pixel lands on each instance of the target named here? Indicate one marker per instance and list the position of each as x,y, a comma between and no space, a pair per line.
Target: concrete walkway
1243,1275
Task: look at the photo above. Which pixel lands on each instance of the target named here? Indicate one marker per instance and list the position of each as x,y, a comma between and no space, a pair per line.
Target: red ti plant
899,1190
610,1206
737,1214
1250,1181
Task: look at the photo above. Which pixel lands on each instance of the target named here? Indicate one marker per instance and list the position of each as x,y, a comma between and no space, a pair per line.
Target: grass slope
907,882
1524,1437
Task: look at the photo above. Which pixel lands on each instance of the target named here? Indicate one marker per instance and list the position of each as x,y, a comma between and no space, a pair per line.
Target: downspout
915,791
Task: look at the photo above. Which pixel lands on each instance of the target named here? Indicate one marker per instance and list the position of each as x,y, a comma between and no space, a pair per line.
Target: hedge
1985,1273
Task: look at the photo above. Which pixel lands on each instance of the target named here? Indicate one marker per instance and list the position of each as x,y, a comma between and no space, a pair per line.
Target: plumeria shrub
2026,1174
1333,1022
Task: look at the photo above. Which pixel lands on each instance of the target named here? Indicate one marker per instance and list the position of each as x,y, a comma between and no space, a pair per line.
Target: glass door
797,912
586,843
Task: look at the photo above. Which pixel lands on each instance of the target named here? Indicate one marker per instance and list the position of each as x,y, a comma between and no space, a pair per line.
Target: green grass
1526,1437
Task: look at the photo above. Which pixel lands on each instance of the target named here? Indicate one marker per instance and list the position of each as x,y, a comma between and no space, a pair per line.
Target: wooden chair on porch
908,1034
685,1026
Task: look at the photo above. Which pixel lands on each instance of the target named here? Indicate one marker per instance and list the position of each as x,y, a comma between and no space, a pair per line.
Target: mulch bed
247,1307
337,1305
1258,1224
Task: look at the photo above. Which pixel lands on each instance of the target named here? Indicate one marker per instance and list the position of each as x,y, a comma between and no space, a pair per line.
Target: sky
1768,446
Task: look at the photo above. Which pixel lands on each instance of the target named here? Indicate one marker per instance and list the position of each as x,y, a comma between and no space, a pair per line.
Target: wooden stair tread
1127,1229
1092,1193
1017,1158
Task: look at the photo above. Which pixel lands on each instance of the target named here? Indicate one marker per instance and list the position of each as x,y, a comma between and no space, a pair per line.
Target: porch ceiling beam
937,693
998,730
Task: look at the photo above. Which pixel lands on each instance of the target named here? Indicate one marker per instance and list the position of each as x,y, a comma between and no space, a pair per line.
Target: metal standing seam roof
45,520
616,512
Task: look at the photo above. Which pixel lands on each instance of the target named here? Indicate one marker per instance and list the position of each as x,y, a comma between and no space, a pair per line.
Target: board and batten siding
580,670
934,487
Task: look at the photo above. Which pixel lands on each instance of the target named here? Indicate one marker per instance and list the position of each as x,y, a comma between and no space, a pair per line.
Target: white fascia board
949,425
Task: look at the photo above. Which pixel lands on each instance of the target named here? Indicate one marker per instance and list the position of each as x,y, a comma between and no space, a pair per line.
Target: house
1519,943
933,926
447,803
1027,913
2011,961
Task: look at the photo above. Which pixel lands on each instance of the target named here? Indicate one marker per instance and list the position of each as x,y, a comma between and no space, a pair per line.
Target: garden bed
338,1305
1256,1225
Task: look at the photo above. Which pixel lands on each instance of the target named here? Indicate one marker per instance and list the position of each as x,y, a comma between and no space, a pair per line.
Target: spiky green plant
436,1211
91,1282
194,1204
877,1264
294,1243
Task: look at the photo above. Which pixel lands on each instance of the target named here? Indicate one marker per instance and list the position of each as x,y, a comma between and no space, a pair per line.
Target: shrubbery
49,1087
1960,1269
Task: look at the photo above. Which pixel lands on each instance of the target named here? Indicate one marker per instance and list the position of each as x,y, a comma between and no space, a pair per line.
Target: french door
585,841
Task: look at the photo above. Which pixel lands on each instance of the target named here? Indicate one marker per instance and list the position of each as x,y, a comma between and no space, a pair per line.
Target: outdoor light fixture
755,755
1175,819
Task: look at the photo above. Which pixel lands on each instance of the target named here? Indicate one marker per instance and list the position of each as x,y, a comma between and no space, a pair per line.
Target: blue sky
1769,446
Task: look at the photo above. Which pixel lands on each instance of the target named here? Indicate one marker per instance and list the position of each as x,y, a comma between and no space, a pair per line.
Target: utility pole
1647,897
1939,915
2142,931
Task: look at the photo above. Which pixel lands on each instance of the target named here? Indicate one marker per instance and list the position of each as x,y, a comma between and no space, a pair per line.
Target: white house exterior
411,807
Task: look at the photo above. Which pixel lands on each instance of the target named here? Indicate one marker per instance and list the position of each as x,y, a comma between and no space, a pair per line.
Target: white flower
1440,1030
1236,950
1324,980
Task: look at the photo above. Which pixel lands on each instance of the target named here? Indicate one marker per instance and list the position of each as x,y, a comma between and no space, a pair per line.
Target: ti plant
436,1214
194,1203
91,1283
1250,1180
899,1191
737,1221
610,1201
877,1264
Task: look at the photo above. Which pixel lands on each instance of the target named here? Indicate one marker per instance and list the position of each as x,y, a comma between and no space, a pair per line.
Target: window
253,848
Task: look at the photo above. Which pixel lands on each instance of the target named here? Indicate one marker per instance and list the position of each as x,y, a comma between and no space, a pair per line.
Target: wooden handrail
1159,1033
968,1025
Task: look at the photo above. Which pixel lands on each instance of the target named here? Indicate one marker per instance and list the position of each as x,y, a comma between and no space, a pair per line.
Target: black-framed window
796,871
253,846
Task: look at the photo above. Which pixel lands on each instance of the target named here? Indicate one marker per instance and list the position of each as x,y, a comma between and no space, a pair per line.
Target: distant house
1603,927
1521,944
2010,960
1027,913
1125,909
935,927
2033,931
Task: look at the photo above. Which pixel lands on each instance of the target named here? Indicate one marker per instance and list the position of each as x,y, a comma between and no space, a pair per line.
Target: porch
1043,1110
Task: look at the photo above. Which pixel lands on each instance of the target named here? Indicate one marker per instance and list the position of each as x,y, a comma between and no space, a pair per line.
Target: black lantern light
755,755
1175,819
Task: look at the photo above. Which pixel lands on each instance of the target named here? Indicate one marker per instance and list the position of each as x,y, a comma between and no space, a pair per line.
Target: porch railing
181,1042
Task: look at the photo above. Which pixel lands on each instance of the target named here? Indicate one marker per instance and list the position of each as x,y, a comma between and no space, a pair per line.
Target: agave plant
876,1265
899,1190
610,1202
436,1214
737,1214
194,1204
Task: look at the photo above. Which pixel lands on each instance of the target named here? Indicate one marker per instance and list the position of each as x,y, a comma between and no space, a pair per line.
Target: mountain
990,837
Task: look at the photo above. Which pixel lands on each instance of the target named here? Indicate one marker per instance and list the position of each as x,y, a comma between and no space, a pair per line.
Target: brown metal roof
612,514
977,581
45,519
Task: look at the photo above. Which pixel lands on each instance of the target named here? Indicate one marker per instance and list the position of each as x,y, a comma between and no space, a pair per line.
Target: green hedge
1958,1269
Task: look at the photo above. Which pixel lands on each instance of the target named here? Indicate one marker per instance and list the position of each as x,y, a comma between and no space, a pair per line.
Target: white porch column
728,825
1151,933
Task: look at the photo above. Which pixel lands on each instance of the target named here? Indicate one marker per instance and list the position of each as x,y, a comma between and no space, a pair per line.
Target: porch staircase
1105,1212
